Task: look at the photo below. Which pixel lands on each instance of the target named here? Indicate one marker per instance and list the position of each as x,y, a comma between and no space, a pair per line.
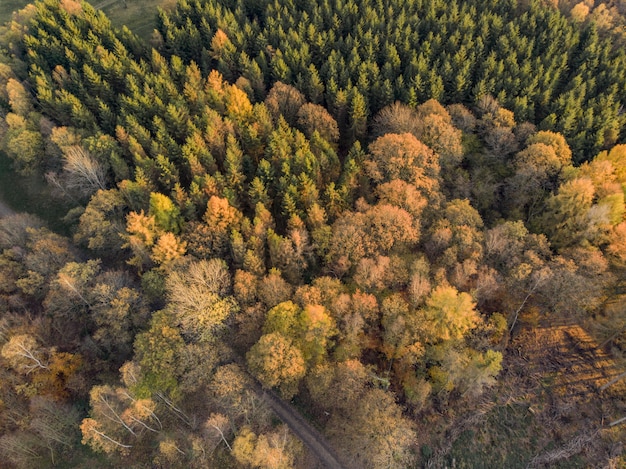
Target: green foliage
166,214
450,314
276,362
545,69
371,274
157,352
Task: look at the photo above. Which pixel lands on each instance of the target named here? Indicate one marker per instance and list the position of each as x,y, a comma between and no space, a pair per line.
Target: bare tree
82,172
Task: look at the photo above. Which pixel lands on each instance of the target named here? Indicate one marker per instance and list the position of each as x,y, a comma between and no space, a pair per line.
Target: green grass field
138,15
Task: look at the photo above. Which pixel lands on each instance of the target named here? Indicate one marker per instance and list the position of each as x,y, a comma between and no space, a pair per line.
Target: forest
404,219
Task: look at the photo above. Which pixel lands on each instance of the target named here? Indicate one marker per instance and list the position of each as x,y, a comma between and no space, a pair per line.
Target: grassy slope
138,15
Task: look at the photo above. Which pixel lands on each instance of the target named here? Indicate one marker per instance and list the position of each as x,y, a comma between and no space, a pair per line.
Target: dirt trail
314,440
309,435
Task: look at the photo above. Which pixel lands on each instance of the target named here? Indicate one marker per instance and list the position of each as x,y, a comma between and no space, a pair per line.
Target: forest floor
5,210
546,411
31,194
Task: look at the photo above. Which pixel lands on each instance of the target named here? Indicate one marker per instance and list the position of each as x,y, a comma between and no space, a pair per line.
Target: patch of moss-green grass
137,15
505,440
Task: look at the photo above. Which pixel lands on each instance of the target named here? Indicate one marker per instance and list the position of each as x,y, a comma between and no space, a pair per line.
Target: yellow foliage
167,249
557,142
238,106
617,157
141,229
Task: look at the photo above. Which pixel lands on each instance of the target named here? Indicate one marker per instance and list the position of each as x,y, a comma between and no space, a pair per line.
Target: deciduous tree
277,362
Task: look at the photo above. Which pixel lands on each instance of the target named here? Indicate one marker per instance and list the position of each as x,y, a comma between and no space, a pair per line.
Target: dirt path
314,440
309,435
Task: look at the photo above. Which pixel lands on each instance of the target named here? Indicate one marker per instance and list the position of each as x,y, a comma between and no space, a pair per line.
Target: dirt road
309,435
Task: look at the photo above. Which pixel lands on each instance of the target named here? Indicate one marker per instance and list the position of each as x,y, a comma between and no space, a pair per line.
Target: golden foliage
168,249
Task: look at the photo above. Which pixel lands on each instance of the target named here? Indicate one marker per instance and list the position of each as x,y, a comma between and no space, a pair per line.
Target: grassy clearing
546,411
138,15
508,439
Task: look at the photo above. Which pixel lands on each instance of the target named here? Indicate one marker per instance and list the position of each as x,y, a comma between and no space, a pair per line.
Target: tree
230,386
402,194
273,289
315,118
373,433
82,172
357,114
277,449
69,298
371,274
167,250
101,224
317,329
286,257
24,354
537,168
567,217
19,100
617,158
223,52
55,424
337,387
556,141
310,328
199,298
401,331
457,236
396,118
23,144
402,156
118,420
117,310
616,249
157,356
277,362
142,233
471,372
284,100
166,214
222,218
449,314
442,137
579,12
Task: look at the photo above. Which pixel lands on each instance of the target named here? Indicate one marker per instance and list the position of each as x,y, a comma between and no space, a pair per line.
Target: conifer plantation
402,221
